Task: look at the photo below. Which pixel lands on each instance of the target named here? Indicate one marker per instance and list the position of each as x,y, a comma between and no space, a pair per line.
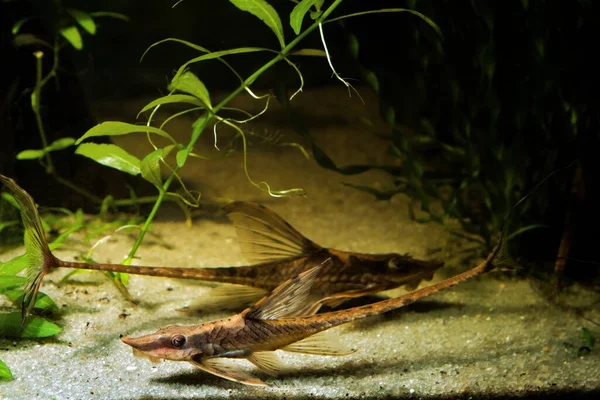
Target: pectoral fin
290,299
227,370
266,361
264,235
323,343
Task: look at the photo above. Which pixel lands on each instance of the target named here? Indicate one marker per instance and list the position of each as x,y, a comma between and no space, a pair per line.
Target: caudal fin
39,256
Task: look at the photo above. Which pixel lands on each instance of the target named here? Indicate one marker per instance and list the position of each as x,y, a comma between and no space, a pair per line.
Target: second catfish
280,251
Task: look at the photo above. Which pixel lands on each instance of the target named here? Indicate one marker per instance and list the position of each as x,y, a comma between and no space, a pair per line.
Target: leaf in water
198,127
181,157
266,13
5,371
109,14
10,281
110,155
298,13
43,302
30,154
217,54
309,52
28,39
10,200
525,229
372,81
314,15
588,339
353,46
189,83
429,21
72,35
84,20
116,128
173,98
34,327
17,25
61,144
6,224
150,167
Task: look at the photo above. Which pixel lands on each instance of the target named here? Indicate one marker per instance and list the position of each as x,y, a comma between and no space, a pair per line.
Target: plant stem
200,127
35,105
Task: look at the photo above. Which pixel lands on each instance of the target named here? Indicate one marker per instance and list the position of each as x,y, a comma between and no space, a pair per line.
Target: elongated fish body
279,251
280,321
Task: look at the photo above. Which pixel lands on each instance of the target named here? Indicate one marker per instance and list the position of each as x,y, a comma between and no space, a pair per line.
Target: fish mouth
140,354
134,343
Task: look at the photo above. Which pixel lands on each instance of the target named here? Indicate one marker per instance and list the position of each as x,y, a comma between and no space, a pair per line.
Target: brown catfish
280,250
276,322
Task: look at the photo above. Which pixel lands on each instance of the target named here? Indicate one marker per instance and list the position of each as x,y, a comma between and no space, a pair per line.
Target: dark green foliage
482,114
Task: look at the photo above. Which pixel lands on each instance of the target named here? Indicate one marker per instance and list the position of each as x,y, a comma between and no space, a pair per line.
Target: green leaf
150,167
84,20
173,98
110,155
427,20
72,35
30,154
34,327
314,15
263,11
28,39
588,339
372,81
10,200
525,229
17,25
181,157
116,128
189,83
6,224
9,281
214,54
5,371
298,13
43,302
353,46
61,144
309,52
109,14
198,126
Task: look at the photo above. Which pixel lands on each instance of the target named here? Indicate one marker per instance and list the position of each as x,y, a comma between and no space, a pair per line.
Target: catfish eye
178,340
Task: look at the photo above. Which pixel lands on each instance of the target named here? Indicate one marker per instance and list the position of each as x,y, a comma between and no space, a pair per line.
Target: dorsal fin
264,235
290,299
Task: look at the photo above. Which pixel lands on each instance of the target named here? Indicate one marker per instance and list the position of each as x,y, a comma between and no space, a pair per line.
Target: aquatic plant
185,89
67,26
468,143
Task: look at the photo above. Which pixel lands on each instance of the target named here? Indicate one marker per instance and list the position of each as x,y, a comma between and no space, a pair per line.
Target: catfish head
400,269
175,343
